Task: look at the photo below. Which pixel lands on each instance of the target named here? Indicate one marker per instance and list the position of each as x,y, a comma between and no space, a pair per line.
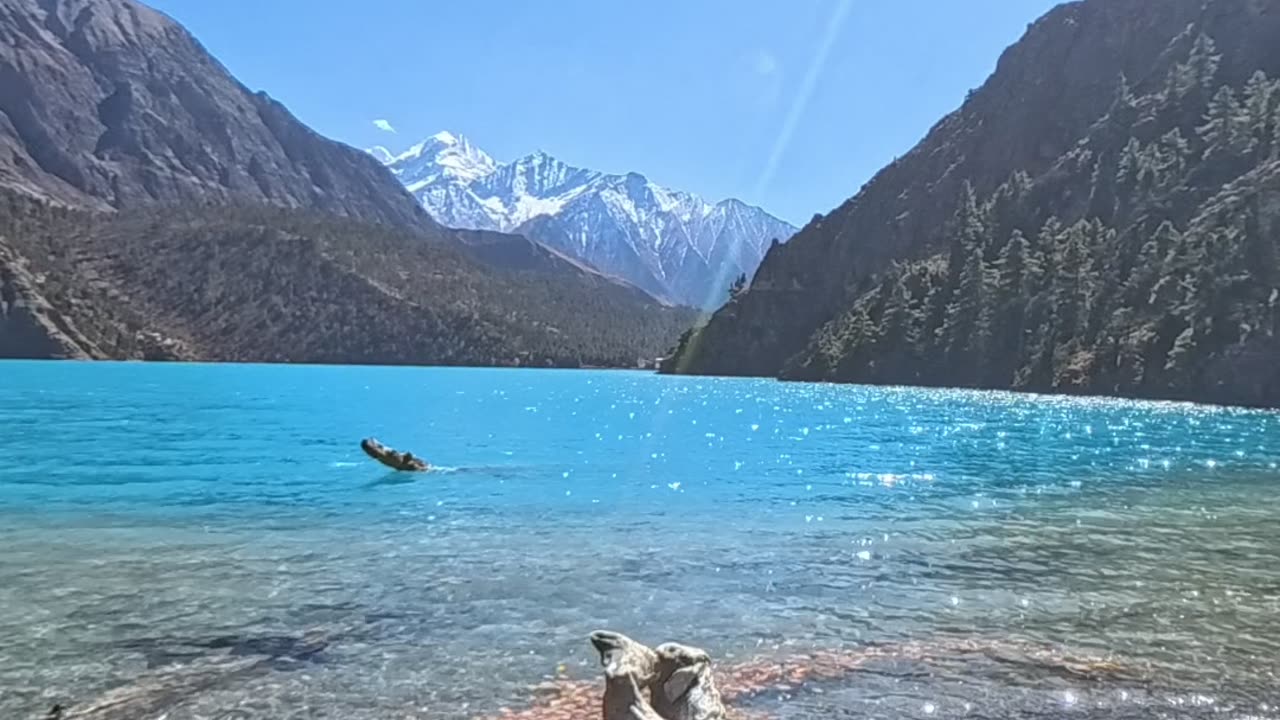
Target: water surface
153,516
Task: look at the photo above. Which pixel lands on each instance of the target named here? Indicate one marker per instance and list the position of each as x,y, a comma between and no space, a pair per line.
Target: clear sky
788,104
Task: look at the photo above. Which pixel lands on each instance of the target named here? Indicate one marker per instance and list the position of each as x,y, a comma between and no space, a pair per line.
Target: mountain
263,283
152,206
672,244
108,103
1099,217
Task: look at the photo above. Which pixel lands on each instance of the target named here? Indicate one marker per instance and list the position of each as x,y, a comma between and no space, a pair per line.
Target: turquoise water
155,516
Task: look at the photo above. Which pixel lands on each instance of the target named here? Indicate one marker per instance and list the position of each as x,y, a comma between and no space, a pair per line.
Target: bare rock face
685,687
108,103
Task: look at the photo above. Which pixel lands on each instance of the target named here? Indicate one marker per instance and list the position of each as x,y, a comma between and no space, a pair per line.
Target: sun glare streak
796,111
783,140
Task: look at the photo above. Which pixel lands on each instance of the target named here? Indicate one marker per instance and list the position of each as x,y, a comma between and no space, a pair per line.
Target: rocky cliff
107,103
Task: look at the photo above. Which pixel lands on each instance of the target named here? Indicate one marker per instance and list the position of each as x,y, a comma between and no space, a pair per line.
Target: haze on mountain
1099,217
673,244
153,207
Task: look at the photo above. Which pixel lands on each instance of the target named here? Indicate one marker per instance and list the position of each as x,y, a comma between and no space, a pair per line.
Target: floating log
391,458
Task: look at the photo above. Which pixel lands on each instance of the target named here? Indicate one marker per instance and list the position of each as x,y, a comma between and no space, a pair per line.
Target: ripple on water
998,554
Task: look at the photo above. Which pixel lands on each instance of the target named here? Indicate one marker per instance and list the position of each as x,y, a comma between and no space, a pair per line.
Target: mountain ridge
133,165
111,104
666,241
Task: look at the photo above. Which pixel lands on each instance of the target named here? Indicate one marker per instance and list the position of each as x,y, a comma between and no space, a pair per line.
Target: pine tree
1147,267
971,227
963,334
1261,98
862,331
1007,308
852,365
1037,271
968,230
1068,293
1050,234
1103,284
1171,158
1128,171
1204,61
1226,129
1196,76
898,325
1011,270
1006,207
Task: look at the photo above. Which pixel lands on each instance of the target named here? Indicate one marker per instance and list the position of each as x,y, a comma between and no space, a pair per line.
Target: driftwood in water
686,688
673,682
669,682
630,669
392,458
740,682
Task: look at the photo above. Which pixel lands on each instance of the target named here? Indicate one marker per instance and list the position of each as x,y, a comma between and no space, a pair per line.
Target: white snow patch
624,225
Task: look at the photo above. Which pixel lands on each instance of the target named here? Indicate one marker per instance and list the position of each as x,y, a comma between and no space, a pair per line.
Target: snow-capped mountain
673,244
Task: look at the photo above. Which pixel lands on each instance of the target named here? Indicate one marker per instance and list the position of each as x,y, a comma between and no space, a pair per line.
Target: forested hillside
1141,262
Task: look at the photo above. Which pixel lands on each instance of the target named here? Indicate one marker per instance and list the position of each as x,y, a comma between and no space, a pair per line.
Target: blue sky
787,105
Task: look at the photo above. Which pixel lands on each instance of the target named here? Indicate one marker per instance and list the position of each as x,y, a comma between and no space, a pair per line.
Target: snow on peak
381,154
441,157
672,243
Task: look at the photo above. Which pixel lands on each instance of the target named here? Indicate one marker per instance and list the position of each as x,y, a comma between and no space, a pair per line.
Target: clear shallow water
153,516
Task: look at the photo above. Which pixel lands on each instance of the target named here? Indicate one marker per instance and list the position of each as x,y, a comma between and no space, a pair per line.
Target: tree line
1144,263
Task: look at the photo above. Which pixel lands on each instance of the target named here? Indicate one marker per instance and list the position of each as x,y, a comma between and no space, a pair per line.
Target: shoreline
1033,394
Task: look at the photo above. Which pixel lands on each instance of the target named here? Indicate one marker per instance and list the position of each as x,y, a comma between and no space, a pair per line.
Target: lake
989,554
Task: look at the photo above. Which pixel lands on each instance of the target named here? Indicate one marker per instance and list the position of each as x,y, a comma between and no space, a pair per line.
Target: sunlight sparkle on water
866,532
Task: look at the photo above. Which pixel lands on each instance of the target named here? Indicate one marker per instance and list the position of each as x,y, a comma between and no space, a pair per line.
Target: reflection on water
210,542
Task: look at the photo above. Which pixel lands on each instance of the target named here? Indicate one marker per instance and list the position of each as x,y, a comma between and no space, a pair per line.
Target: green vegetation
1144,262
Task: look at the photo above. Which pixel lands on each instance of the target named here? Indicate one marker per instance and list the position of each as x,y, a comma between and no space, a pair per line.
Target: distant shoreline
304,363
1085,397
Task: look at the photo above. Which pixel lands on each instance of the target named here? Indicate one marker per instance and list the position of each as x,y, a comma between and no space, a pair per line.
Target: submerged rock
224,659
154,693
